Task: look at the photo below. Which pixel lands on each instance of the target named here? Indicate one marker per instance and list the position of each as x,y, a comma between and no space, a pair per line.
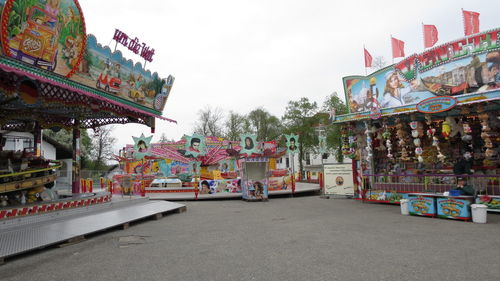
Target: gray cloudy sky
240,55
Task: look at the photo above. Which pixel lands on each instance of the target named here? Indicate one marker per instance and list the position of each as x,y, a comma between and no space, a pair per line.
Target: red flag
430,35
471,22
398,48
368,59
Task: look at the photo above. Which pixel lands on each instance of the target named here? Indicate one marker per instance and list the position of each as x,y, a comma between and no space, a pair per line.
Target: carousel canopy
52,72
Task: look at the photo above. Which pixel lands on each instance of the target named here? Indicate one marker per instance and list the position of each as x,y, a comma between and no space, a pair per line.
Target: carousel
54,75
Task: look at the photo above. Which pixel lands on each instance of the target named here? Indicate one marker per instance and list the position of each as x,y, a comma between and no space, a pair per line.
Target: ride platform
23,234
300,187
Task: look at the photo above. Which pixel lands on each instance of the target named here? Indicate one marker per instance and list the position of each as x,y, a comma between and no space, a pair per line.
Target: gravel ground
301,238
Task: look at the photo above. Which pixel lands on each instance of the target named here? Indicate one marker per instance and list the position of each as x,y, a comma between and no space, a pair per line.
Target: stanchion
90,185
83,184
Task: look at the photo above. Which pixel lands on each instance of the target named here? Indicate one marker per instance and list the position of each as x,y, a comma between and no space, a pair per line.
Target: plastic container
479,212
404,207
454,192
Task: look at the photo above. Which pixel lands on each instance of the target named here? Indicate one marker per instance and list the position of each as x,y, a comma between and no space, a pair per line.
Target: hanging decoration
416,133
431,133
401,135
369,143
387,137
352,142
486,136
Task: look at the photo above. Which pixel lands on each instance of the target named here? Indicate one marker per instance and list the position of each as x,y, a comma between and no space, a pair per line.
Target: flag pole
364,56
423,33
392,51
463,21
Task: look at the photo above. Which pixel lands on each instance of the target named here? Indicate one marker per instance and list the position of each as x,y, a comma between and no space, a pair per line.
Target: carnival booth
206,167
52,76
427,128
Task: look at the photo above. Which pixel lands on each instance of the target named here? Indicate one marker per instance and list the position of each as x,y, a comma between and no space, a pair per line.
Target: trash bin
404,207
479,212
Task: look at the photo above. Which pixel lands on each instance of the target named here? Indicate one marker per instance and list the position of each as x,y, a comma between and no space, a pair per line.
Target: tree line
303,117
96,148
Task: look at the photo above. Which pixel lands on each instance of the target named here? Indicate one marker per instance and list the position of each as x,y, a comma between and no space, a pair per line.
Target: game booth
200,167
426,129
53,76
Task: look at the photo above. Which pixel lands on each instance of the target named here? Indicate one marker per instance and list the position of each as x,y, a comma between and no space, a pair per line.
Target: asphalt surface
302,238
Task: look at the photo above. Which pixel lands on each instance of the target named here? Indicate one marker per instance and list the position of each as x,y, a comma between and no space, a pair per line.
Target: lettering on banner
134,45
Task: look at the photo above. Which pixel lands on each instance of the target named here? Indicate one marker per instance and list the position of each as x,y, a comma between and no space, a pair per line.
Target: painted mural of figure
249,143
292,146
195,145
258,190
205,187
395,93
52,8
142,147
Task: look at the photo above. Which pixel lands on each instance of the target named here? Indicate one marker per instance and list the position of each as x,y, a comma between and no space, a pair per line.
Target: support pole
75,187
293,173
37,135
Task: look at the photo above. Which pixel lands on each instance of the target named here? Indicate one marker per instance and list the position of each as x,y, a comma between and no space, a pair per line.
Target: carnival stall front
54,76
427,128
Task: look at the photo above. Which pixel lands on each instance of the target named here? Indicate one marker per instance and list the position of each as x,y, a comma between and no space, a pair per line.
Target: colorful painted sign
436,104
142,146
255,189
493,202
195,167
464,66
219,186
453,208
492,95
421,205
279,183
50,34
195,145
248,143
292,143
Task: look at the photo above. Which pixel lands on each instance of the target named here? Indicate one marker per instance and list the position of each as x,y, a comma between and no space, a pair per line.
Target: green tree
209,122
266,126
65,137
102,147
234,126
333,139
300,118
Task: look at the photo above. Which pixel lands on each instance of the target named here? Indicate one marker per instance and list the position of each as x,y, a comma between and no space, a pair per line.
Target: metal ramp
20,235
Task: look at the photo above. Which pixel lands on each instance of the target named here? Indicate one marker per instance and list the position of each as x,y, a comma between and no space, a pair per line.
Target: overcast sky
240,55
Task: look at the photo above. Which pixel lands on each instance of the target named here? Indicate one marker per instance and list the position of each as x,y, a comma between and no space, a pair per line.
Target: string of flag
430,36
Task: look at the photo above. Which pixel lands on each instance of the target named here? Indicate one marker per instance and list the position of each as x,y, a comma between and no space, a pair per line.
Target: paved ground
302,238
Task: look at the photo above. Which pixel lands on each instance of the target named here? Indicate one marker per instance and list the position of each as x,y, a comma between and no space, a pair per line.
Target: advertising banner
338,179
459,67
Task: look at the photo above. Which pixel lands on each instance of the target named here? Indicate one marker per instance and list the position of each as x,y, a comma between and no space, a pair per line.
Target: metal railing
409,183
